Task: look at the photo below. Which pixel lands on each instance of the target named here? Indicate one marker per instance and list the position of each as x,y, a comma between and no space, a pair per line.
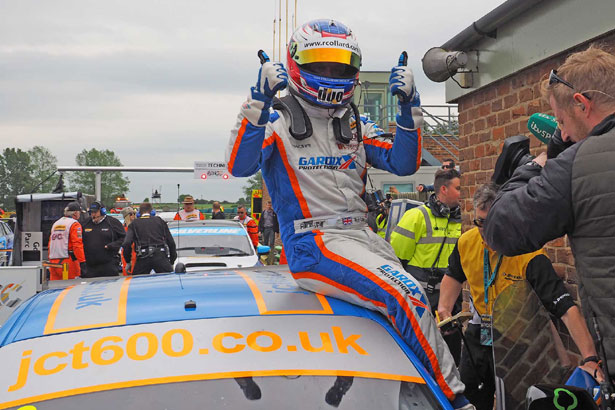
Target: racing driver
313,155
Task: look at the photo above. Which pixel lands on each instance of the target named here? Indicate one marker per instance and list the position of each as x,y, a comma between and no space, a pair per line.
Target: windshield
211,241
272,393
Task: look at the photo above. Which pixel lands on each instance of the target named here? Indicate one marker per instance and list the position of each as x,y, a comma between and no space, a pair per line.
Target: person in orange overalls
66,244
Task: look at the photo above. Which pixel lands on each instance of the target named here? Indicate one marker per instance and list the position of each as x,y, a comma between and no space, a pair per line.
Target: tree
43,164
254,182
113,184
15,176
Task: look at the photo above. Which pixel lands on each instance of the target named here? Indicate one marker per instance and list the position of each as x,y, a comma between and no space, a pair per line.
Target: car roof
205,222
92,304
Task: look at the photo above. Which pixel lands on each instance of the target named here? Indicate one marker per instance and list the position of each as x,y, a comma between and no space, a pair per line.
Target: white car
213,244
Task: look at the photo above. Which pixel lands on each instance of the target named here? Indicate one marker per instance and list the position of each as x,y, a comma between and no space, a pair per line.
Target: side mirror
263,250
180,268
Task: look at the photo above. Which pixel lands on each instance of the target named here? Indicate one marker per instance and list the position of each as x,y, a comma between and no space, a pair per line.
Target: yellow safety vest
381,223
418,237
471,249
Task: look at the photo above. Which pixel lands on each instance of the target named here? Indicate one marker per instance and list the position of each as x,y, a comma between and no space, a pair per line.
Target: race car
214,244
230,339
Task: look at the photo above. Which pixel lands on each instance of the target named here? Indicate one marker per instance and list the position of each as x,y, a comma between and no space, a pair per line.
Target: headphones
152,213
442,210
103,210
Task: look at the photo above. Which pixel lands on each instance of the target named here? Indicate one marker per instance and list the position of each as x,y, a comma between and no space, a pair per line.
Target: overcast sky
160,82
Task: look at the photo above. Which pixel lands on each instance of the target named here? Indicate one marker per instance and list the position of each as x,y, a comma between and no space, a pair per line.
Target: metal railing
440,123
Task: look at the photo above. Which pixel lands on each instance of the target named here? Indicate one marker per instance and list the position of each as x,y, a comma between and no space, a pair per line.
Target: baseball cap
128,211
188,200
96,206
73,206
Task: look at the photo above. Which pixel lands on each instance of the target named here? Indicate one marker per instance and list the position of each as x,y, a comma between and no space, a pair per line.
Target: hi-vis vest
419,234
194,215
60,234
471,253
381,223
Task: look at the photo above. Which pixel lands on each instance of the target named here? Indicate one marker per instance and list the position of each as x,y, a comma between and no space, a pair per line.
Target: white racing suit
316,187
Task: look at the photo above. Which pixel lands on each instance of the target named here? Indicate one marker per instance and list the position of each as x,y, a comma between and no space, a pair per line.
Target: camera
375,200
515,152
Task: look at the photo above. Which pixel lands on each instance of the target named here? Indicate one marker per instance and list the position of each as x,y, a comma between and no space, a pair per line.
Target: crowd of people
93,244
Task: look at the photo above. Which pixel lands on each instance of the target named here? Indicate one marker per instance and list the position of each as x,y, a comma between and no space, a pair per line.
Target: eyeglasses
556,79
479,222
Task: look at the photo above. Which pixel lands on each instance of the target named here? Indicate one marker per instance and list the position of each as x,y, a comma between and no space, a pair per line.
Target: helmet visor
331,70
327,51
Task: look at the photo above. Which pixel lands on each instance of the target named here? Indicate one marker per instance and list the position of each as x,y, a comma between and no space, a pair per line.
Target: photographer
426,236
471,258
573,193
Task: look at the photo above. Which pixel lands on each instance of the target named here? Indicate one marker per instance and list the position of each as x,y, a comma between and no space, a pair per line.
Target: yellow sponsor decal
207,349
59,228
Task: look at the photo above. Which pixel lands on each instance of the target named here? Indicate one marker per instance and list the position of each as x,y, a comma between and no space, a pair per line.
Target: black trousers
472,376
110,268
157,262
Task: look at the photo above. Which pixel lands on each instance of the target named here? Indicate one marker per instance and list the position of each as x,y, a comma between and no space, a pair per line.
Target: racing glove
272,77
401,83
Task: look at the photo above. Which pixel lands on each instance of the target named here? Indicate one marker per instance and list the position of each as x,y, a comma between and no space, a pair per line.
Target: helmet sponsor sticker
330,95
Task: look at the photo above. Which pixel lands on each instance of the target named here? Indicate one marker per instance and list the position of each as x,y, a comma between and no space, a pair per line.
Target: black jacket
217,215
573,194
276,225
148,231
110,233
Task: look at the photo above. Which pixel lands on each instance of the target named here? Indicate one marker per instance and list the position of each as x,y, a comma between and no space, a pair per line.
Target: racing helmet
323,60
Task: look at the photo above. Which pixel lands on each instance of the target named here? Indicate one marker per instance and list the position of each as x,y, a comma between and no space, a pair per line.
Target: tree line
35,170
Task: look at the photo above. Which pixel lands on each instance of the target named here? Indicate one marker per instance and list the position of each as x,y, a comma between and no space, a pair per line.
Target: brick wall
487,117
437,150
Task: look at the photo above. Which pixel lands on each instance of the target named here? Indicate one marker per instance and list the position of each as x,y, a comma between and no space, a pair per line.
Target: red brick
463,141
504,117
526,94
485,163
510,100
468,128
559,242
503,88
511,129
496,105
485,136
490,149
480,124
533,107
463,117
490,94
474,139
518,81
492,121
560,270
518,111
484,110
498,133
479,151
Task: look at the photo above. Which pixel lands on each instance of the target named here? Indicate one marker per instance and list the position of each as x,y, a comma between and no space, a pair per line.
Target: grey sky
160,82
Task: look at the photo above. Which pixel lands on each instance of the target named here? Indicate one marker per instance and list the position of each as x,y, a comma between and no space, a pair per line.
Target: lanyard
489,277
